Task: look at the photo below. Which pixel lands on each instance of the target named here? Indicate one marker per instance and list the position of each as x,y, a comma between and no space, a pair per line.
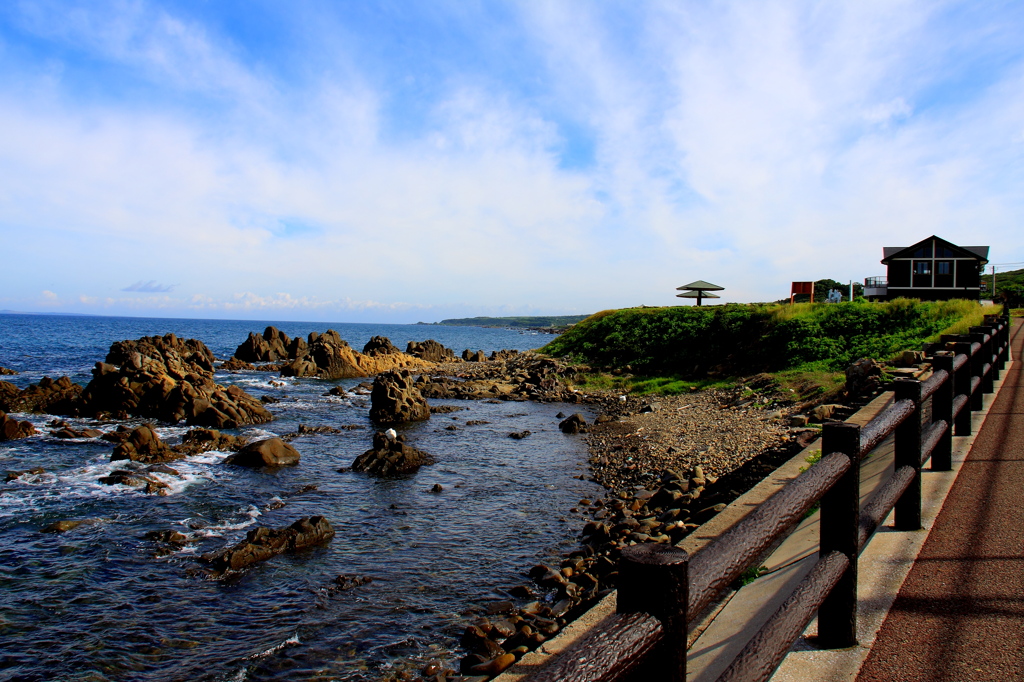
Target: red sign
802,288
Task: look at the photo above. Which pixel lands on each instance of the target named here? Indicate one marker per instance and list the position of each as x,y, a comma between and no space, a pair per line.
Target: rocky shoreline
667,463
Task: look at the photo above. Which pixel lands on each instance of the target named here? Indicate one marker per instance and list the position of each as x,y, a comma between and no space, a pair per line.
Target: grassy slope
805,345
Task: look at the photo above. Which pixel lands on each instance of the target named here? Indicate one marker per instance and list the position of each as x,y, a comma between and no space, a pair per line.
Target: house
933,269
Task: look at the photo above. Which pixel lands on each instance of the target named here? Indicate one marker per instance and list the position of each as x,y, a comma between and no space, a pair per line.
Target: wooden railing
661,589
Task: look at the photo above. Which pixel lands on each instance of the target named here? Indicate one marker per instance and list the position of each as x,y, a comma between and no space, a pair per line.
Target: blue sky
404,161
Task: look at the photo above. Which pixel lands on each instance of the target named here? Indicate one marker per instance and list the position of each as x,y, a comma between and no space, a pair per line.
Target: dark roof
697,294
702,285
980,252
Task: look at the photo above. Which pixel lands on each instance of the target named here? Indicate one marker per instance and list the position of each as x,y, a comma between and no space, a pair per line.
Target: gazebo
699,290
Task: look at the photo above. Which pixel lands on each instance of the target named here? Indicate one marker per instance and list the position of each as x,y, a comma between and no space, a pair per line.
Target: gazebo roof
697,294
702,286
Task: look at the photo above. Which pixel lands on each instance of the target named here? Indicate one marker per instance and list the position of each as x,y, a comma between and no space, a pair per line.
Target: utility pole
993,284
851,289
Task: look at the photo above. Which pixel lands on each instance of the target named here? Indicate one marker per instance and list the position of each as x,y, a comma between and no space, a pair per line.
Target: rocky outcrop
395,399
379,345
143,445
272,452
169,379
519,376
328,356
262,543
4,370
470,356
203,440
12,429
270,347
236,365
136,479
430,350
48,396
391,457
863,376
15,475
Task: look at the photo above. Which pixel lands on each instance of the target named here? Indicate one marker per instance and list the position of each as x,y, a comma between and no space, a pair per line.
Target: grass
809,344
751,574
602,381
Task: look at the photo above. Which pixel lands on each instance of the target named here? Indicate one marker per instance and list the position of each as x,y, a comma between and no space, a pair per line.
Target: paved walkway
959,615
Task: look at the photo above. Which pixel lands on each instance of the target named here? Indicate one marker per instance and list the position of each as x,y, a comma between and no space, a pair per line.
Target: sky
403,161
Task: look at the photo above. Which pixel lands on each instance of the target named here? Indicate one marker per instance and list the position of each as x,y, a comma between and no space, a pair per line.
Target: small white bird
391,434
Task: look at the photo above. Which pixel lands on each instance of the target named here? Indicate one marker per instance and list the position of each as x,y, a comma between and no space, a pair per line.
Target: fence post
942,410
654,579
962,386
908,453
839,528
979,334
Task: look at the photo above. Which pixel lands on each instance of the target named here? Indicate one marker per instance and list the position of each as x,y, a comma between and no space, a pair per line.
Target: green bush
689,342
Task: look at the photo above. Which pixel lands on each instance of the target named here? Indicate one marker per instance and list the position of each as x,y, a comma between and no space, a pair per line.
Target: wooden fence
661,589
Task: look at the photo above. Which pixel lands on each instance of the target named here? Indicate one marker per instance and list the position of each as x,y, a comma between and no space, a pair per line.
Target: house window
943,252
944,267
922,267
923,252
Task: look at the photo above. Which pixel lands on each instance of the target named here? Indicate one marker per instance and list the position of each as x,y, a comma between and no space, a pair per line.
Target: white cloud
749,144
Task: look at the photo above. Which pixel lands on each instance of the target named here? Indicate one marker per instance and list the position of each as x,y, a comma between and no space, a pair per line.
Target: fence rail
662,589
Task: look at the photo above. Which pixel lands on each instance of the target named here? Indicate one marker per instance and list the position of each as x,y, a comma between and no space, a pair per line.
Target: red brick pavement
959,615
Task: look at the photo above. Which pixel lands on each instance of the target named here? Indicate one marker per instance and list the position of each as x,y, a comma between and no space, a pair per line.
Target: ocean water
98,603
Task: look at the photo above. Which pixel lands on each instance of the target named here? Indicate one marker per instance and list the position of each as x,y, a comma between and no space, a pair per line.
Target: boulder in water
395,399
391,457
12,429
272,452
143,445
262,543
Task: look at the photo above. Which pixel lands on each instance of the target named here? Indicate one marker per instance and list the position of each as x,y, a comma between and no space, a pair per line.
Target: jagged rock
330,357
390,457
304,430
235,365
395,399
169,379
863,376
204,440
379,345
143,445
262,543
12,429
470,356
4,370
272,346
297,348
48,396
272,452
573,424
135,479
519,435
15,475
500,355
430,350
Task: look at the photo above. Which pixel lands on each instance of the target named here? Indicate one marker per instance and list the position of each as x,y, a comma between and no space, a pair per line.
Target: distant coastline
22,312
522,322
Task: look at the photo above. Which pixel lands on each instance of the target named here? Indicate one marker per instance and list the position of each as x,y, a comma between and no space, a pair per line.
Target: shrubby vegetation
696,342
